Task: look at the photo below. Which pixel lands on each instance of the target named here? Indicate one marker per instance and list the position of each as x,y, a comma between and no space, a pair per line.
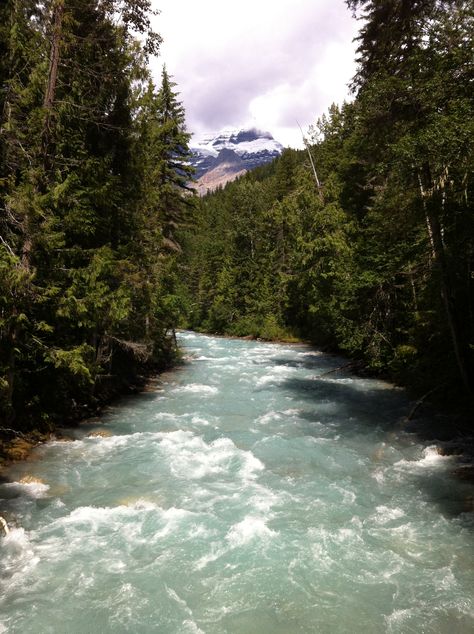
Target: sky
257,63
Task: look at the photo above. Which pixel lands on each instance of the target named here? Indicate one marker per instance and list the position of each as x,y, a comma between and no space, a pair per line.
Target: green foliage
72,361
87,283
379,266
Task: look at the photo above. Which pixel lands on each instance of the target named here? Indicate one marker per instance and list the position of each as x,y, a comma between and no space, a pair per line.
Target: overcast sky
263,63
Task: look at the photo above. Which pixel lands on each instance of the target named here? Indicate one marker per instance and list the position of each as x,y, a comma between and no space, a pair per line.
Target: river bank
253,466
421,419
133,376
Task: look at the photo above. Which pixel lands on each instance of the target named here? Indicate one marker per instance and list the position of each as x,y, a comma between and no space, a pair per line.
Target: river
252,492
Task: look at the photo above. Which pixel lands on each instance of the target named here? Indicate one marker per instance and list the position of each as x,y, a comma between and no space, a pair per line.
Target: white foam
431,459
268,379
100,514
337,380
174,595
396,619
187,335
33,489
447,581
94,447
284,369
432,456
251,466
248,529
126,520
197,420
213,555
191,628
190,456
312,353
268,417
199,531
18,557
197,388
276,375
379,475
264,499
323,539
168,416
348,496
17,540
386,514
292,412
222,368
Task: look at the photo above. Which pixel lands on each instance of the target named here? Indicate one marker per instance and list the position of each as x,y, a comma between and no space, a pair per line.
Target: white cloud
265,62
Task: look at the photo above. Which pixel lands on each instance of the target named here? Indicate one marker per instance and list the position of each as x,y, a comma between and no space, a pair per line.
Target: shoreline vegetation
422,419
17,445
94,188
362,244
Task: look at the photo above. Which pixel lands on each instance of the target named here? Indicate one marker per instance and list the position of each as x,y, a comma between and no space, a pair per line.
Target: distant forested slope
379,260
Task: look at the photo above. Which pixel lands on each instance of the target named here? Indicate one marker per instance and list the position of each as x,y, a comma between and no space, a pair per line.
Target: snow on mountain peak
255,147
241,140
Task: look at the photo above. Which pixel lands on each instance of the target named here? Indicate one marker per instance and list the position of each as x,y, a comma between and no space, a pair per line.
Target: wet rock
100,433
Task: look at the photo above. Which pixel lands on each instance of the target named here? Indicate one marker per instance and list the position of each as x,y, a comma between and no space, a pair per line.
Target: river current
253,492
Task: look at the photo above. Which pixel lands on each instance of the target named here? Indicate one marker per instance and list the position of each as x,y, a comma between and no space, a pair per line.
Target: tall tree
416,108
85,303
172,167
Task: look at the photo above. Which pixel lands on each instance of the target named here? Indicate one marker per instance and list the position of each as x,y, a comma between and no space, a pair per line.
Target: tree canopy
381,265
92,166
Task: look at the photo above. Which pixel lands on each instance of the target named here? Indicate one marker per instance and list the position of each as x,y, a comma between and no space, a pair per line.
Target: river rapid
250,493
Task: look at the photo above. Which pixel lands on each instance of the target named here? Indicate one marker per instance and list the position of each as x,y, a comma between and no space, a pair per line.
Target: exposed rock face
227,167
221,158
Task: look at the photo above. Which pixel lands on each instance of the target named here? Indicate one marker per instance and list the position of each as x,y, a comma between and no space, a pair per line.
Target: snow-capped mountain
231,153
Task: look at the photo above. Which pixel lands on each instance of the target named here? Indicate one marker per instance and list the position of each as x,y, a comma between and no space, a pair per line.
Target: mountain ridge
222,157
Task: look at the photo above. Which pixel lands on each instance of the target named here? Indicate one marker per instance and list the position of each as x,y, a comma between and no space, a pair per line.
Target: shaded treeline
379,262
93,177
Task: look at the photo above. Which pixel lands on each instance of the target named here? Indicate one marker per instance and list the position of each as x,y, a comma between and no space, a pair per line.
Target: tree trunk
429,197
54,57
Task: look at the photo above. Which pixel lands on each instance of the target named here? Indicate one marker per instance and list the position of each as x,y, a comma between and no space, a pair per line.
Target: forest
364,243
93,185
105,250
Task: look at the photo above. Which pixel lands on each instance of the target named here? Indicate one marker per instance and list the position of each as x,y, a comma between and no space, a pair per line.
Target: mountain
223,157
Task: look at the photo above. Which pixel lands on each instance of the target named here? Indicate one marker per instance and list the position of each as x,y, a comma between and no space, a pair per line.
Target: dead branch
341,367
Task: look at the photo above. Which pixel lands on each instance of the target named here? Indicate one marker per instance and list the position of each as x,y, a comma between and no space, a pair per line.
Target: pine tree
173,171
83,297
415,113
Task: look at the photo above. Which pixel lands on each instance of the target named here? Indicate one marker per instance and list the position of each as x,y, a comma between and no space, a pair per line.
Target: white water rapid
250,494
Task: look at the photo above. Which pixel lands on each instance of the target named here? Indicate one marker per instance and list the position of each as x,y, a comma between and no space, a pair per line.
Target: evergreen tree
172,168
378,261
415,124
86,306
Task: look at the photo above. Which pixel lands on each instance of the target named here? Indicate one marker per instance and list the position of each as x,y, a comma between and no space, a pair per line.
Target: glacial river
250,493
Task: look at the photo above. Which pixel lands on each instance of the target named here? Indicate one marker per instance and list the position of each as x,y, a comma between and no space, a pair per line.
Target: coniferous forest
363,243
93,186
373,254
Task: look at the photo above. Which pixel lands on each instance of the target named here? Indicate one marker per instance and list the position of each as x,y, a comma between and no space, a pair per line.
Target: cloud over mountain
262,63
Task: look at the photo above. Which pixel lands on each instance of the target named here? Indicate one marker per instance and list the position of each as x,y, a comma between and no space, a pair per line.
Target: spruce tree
173,170
87,302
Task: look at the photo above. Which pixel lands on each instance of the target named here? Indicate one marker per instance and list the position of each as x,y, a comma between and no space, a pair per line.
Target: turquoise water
246,495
